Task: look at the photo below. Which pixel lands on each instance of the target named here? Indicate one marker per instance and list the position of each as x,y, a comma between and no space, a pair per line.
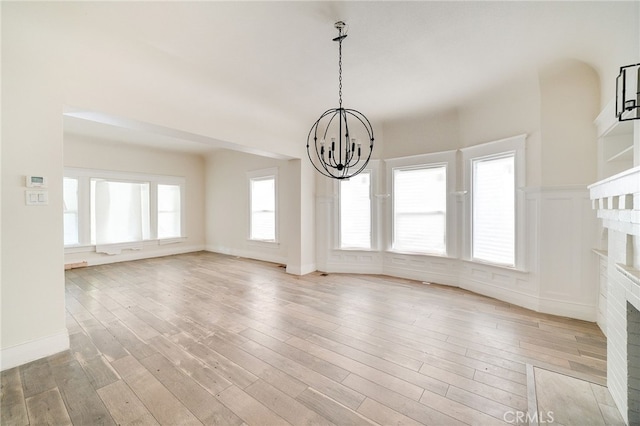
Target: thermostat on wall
36,182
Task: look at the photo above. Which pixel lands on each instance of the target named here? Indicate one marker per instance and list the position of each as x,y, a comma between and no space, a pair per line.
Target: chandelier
337,150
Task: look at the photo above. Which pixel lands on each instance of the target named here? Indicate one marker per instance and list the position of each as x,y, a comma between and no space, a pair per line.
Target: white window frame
439,159
261,174
492,150
182,211
372,169
84,177
76,211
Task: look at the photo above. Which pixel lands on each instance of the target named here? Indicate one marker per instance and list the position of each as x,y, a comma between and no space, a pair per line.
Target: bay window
114,210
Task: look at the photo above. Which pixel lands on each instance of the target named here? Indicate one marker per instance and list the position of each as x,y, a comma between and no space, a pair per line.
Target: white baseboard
422,275
35,349
302,269
265,256
569,309
504,294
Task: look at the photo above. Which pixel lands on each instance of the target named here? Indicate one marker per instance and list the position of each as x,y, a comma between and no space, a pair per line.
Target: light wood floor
213,339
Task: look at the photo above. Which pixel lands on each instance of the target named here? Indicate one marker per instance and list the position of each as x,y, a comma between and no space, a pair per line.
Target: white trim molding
516,146
302,269
35,349
263,253
126,256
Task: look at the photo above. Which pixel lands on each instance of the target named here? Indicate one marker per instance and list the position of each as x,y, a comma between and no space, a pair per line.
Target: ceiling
400,58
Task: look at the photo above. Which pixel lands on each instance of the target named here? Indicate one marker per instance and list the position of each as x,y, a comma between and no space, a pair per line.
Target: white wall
302,220
82,152
510,109
227,205
570,102
420,135
32,305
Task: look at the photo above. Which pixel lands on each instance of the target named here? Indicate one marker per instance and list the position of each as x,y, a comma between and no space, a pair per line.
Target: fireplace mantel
617,201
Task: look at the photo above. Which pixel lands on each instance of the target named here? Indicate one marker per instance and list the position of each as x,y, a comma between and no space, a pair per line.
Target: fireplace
633,363
617,200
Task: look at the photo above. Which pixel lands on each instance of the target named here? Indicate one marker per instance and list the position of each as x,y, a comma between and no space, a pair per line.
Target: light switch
37,198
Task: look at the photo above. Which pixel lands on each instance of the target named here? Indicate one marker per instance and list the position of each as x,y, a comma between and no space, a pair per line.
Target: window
494,216
493,209
70,200
120,211
420,209
169,209
114,210
262,225
355,212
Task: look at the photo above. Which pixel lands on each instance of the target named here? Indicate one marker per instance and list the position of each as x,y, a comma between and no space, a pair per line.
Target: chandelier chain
340,68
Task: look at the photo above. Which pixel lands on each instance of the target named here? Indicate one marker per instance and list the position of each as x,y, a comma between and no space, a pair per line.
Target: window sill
123,246
173,240
415,253
366,250
79,249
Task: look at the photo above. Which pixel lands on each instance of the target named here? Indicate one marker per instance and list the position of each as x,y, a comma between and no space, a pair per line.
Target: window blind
419,209
493,210
355,212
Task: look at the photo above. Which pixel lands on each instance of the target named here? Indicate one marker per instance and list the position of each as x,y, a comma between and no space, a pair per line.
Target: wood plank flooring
204,338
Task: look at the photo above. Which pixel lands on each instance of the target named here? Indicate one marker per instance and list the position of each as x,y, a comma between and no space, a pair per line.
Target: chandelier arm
315,126
346,127
350,164
324,172
318,154
335,111
367,125
314,130
369,132
365,122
